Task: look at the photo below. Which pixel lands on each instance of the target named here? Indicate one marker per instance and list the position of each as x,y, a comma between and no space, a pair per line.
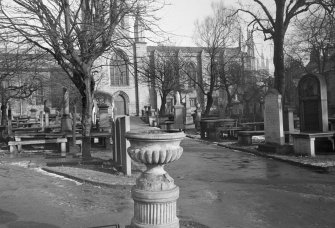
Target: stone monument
155,193
273,118
189,123
197,116
288,123
66,122
46,113
178,122
313,110
273,124
313,103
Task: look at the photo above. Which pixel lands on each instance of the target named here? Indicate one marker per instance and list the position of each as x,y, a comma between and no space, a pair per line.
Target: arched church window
119,75
191,72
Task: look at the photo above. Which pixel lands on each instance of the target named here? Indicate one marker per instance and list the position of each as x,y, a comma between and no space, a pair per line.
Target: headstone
273,118
313,103
197,116
66,122
177,97
33,113
104,118
189,123
47,112
53,111
178,122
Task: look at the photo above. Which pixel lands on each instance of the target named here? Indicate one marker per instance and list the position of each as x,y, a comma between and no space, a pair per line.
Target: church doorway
120,105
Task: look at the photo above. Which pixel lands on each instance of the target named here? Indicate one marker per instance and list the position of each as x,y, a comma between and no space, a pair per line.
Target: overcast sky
179,17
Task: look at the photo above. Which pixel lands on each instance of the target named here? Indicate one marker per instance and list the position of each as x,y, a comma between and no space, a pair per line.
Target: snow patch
39,170
21,163
27,164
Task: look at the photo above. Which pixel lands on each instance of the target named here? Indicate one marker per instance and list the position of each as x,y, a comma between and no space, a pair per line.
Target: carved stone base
155,194
155,208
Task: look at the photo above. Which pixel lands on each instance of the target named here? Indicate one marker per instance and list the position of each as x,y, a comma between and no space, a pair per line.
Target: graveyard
107,120
118,161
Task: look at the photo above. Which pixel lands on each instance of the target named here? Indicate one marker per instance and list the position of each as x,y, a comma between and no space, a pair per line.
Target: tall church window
119,70
39,95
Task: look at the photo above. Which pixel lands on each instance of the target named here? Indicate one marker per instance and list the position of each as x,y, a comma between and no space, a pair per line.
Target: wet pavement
225,188
219,187
30,197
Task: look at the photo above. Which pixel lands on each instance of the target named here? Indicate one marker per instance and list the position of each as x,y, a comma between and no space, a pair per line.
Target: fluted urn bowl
155,147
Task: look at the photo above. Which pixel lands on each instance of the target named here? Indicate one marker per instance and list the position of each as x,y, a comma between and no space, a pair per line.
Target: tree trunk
278,61
3,114
87,102
209,103
229,102
278,52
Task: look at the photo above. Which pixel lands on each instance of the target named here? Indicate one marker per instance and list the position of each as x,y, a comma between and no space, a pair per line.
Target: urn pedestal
155,194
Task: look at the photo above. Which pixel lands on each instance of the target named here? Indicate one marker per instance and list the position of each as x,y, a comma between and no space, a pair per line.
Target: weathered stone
273,118
313,103
155,194
66,122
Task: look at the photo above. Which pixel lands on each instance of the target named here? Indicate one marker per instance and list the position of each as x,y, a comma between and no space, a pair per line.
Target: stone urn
155,194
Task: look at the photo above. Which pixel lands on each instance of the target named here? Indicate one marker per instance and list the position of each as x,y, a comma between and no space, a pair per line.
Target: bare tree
216,34
273,21
253,92
76,33
314,40
231,80
294,69
21,74
164,72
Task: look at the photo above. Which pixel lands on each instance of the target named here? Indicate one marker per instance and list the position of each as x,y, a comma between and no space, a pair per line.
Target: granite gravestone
273,118
313,103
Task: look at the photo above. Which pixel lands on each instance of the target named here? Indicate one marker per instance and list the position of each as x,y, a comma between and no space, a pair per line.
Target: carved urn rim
155,147
154,135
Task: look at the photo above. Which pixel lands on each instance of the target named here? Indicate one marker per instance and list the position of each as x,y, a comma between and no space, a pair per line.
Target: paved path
219,188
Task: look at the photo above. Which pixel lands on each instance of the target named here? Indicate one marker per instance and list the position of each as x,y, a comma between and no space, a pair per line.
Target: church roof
232,51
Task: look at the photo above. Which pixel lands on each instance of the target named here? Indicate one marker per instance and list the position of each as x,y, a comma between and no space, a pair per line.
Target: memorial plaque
273,118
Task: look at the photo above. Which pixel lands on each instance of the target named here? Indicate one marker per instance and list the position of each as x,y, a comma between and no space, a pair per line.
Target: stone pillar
189,123
178,122
197,116
288,124
47,112
42,120
47,121
66,122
